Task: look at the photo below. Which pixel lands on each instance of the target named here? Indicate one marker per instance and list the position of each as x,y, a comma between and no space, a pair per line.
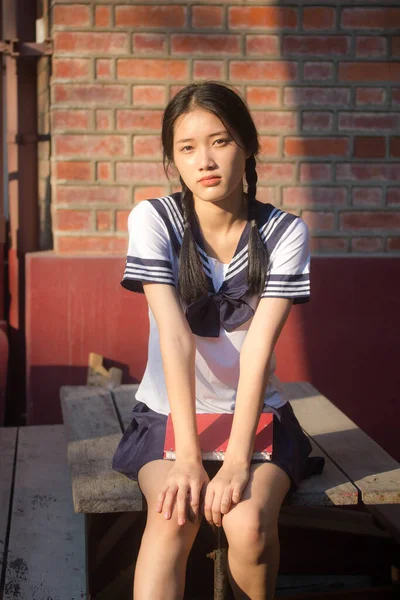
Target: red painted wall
344,341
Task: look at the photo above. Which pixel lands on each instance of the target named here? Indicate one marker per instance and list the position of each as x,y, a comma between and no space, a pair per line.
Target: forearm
178,356
249,402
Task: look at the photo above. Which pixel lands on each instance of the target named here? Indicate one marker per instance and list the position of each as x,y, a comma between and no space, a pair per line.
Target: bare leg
251,528
161,565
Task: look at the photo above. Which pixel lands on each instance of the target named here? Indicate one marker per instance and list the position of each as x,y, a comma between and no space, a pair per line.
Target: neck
219,217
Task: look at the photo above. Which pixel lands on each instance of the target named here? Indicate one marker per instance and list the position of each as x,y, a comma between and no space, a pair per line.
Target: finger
226,501
237,493
216,510
160,501
208,502
168,502
203,492
181,504
195,501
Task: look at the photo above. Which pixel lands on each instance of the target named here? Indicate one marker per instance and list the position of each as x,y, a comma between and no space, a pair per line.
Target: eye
221,140
181,150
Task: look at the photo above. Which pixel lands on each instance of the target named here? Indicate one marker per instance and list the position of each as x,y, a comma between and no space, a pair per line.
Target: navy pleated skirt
143,442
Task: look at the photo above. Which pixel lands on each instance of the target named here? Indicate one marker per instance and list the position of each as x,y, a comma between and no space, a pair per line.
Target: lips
210,178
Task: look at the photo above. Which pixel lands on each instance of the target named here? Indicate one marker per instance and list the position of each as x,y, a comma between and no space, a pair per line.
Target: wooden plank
93,432
373,471
329,488
8,440
46,556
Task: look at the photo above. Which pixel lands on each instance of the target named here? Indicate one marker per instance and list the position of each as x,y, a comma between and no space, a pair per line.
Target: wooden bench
42,541
358,472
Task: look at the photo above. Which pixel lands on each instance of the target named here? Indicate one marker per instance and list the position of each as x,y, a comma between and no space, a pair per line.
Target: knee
250,532
169,531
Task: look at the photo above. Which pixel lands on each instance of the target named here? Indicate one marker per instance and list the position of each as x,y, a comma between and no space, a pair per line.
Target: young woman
220,272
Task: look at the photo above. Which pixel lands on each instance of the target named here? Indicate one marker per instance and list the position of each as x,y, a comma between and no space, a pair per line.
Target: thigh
261,499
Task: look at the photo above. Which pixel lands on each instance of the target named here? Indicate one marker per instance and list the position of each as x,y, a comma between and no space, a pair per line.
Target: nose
205,158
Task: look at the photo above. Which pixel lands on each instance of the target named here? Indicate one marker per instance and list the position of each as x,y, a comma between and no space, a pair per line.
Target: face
204,148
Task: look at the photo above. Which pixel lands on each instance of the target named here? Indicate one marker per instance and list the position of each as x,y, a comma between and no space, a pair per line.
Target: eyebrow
211,135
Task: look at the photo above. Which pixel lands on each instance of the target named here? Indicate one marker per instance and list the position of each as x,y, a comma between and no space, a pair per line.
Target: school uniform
219,322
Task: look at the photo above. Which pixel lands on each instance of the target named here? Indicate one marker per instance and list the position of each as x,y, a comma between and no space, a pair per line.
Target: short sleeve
148,257
288,273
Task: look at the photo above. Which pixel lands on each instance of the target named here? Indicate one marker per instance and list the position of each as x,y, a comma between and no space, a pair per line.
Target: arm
270,317
178,353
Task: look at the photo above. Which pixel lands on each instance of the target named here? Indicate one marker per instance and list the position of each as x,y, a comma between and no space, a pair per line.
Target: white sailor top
220,320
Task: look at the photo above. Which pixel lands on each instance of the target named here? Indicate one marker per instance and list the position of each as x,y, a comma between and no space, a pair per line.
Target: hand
225,489
187,480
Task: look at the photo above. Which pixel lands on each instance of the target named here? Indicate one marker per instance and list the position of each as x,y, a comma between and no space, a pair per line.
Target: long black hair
228,106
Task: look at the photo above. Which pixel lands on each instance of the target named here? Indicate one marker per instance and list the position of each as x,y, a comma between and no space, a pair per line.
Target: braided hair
219,99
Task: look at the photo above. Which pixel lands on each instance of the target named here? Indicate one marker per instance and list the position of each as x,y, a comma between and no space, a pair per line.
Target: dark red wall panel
344,341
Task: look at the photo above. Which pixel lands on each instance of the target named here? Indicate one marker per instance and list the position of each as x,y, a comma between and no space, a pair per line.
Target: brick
71,68
311,196
377,219
269,145
142,68
371,46
103,220
261,17
104,68
72,220
317,121
91,145
369,147
140,172
315,172
319,220
102,16
145,193
267,195
146,16
279,172
93,94
395,147
323,146
353,121
393,196
366,244
90,42
275,122
138,120
145,146
74,15
318,18
370,95
368,172
262,96
207,16
395,46
104,120
91,244
92,194
317,71
70,119
324,45
396,96
393,244
328,244
263,70
73,171
369,71
104,171
370,18
186,43
174,89
208,69
149,95
266,45
145,43
121,220
367,196
316,96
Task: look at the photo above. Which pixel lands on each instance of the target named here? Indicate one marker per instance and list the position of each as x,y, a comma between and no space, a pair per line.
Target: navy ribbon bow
226,308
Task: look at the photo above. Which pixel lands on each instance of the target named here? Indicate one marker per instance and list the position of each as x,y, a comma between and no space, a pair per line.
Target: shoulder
278,226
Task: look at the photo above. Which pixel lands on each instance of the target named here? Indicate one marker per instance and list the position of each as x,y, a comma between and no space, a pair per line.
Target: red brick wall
322,81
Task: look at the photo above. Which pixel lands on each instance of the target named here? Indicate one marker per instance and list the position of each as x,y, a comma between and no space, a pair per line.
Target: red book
214,431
